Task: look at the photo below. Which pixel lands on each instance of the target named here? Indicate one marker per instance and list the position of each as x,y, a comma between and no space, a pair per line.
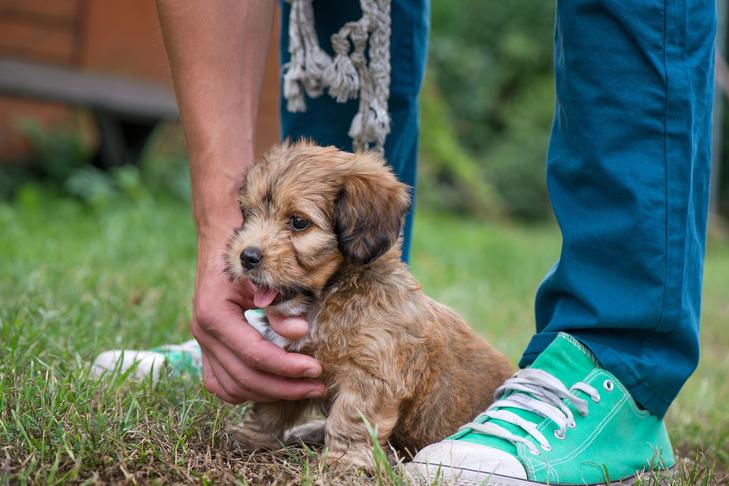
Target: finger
226,326
289,327
250,347
212,384
239,381
267,385
265,356
226,388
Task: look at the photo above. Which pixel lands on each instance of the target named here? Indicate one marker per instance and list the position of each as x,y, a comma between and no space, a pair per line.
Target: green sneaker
176,359
564,420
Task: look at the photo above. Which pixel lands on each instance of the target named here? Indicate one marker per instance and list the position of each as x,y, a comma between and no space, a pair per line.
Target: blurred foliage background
487,107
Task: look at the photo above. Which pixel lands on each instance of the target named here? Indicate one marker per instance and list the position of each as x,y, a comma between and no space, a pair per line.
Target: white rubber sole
421,473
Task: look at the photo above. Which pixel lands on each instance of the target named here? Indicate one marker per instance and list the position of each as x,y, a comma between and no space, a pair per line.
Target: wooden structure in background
98,40
125,111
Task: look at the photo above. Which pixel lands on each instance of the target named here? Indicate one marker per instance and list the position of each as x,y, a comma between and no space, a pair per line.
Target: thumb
288,327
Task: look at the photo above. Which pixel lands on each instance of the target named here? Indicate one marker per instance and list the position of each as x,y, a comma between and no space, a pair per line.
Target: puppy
321,238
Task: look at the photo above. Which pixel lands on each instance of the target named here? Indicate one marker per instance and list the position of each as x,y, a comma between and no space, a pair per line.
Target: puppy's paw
311,433
251,439
351,459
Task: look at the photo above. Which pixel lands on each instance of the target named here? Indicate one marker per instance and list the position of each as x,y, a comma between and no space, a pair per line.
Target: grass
76,280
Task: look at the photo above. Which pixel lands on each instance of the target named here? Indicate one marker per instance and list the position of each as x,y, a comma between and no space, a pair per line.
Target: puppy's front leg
265,423
346,435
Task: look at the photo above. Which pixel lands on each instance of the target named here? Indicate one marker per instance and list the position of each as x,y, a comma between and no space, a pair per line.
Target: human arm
217,52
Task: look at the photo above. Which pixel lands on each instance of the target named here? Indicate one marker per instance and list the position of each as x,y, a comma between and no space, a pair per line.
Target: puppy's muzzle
251,257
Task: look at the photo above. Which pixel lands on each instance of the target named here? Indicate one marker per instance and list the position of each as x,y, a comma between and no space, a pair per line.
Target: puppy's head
308,210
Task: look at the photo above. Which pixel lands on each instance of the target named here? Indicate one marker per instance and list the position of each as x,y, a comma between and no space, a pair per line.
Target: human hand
238,364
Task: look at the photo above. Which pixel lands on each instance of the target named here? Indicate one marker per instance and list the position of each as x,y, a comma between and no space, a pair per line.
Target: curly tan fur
408,364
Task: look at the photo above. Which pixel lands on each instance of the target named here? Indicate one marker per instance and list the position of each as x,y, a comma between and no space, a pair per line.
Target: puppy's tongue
263,296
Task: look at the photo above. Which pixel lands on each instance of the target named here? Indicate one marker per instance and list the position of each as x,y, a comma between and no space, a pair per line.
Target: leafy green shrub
59,161
55,152
515,164
492,100
723,178
164,167
450,178
91,186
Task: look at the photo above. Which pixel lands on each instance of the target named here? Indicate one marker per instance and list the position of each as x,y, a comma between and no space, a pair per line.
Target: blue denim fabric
327,122
628,175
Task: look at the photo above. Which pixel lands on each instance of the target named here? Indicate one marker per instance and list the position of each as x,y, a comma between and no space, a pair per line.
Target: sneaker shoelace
538,392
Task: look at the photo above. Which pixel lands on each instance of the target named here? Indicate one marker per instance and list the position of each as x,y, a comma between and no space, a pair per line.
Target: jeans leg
327,122
628,174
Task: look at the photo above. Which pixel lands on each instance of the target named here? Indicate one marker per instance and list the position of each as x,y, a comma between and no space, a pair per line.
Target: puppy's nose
251,257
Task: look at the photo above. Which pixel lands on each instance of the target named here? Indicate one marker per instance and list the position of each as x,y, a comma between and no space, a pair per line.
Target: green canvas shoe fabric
182,359
173,359
611,439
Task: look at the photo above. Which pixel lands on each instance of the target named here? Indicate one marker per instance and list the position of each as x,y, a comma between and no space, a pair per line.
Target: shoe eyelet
558,435
608,385
572,425
547,448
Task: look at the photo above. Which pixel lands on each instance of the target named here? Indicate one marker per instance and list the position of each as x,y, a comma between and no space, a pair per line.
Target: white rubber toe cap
461,462
149,363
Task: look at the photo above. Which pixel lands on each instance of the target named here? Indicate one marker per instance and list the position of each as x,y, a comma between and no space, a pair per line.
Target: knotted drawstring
351,74
304,72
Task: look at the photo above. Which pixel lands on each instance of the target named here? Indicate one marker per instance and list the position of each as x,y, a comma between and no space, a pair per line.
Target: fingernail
315,394
312,373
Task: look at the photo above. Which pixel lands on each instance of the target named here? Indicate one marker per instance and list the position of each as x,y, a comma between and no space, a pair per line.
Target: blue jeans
628,176
627,171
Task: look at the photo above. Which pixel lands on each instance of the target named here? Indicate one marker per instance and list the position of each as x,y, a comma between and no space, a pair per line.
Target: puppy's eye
299,224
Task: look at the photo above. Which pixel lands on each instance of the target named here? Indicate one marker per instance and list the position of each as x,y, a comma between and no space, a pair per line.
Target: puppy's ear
370,209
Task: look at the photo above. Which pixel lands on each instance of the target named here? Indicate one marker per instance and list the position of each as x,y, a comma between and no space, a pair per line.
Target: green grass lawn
75,281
